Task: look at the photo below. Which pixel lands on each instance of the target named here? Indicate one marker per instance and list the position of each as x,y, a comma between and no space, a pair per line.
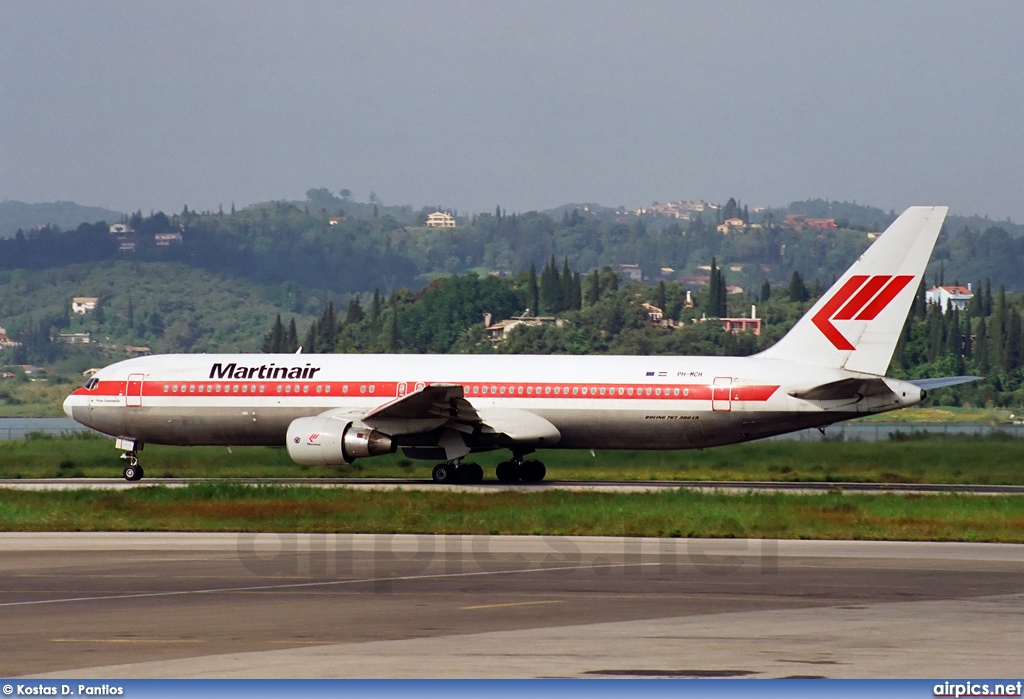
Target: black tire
443,473
507,472
132,472
534,471
471,473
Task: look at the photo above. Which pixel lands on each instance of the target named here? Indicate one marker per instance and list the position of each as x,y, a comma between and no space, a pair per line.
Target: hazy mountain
66,214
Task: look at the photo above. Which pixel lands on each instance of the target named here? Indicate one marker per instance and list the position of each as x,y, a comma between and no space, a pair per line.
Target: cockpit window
91,384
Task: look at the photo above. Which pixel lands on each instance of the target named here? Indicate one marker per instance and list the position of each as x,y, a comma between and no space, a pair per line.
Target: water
21,427
881,431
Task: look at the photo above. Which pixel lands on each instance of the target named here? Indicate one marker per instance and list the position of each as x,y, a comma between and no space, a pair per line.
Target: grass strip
934,459
679,513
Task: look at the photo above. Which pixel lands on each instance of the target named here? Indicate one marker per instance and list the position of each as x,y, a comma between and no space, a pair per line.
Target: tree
712,303
766,291
273,342
291,344
659,296
797,289
532,292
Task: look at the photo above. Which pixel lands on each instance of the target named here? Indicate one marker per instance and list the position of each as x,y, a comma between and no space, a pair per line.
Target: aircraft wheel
443,473
132,472
470,473
533,471
507,472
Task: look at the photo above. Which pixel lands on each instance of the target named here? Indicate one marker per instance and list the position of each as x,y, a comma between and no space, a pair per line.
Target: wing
445,406
425,409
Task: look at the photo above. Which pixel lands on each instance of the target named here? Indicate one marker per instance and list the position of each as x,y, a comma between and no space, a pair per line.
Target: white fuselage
606,402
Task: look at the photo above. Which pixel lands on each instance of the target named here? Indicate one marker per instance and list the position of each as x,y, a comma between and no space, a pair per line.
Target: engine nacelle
333,440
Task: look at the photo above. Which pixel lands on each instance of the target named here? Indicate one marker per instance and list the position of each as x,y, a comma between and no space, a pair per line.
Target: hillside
65,214
168,307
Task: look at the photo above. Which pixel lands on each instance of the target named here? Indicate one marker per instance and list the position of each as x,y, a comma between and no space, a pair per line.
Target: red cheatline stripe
154,388
885,297
822,319
862,297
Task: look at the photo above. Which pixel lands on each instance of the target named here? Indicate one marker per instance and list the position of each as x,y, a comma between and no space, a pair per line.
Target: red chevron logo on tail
862,297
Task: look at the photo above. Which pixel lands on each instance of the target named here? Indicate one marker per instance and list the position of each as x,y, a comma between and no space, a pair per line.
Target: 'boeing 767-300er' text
332,409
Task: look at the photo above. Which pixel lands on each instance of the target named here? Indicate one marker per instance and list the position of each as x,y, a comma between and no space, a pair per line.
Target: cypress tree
797,289
659,296
981,355
532,293
723,296
292,342
567,288
1012,356
393,327
711,308
593,292
766,291
376,307
577,292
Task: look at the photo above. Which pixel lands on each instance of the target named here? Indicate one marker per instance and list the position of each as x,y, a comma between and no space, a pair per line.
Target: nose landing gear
132,471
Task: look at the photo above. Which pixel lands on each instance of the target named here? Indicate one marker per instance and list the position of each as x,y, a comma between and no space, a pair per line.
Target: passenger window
262,388
166,388
648,391
675,391
476,389
175,389
557,390
235,388
494,389
584,390
575,390
621,391
629,391
529,390
305,389
192,388
362,389
602,390
686,391
547,390
288,389
373,388
502,390
328,388
519,390
245,389
319,389
657,391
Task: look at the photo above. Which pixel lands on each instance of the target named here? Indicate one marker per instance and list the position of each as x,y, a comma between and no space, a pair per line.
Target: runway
116,605
644,486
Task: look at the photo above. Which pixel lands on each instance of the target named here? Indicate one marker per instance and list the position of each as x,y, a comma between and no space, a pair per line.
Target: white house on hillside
947,297
440,219
83,304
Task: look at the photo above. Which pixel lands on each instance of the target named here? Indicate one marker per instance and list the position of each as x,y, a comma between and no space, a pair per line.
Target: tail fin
857,323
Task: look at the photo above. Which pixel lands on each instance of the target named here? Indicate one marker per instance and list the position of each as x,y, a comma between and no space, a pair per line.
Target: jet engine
333,440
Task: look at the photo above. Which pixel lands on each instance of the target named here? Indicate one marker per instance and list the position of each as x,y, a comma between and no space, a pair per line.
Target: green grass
236,508
920,460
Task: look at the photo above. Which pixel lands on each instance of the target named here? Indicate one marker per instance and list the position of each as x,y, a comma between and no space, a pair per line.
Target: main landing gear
518,470
456,472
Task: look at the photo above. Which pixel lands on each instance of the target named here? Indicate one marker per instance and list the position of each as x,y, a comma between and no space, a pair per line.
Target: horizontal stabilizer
845,389
929,384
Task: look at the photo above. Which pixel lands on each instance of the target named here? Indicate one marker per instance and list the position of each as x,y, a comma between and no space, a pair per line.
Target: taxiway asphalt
114,605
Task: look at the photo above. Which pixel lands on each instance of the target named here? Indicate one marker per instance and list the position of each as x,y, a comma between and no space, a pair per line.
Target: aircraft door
721,394
133,392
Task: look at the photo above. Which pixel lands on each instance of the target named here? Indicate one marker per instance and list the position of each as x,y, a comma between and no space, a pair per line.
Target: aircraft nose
67,407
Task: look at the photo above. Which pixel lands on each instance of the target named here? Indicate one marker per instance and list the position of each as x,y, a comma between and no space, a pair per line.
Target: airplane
331,409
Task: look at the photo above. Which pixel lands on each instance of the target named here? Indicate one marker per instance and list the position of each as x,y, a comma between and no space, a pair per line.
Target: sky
527,105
